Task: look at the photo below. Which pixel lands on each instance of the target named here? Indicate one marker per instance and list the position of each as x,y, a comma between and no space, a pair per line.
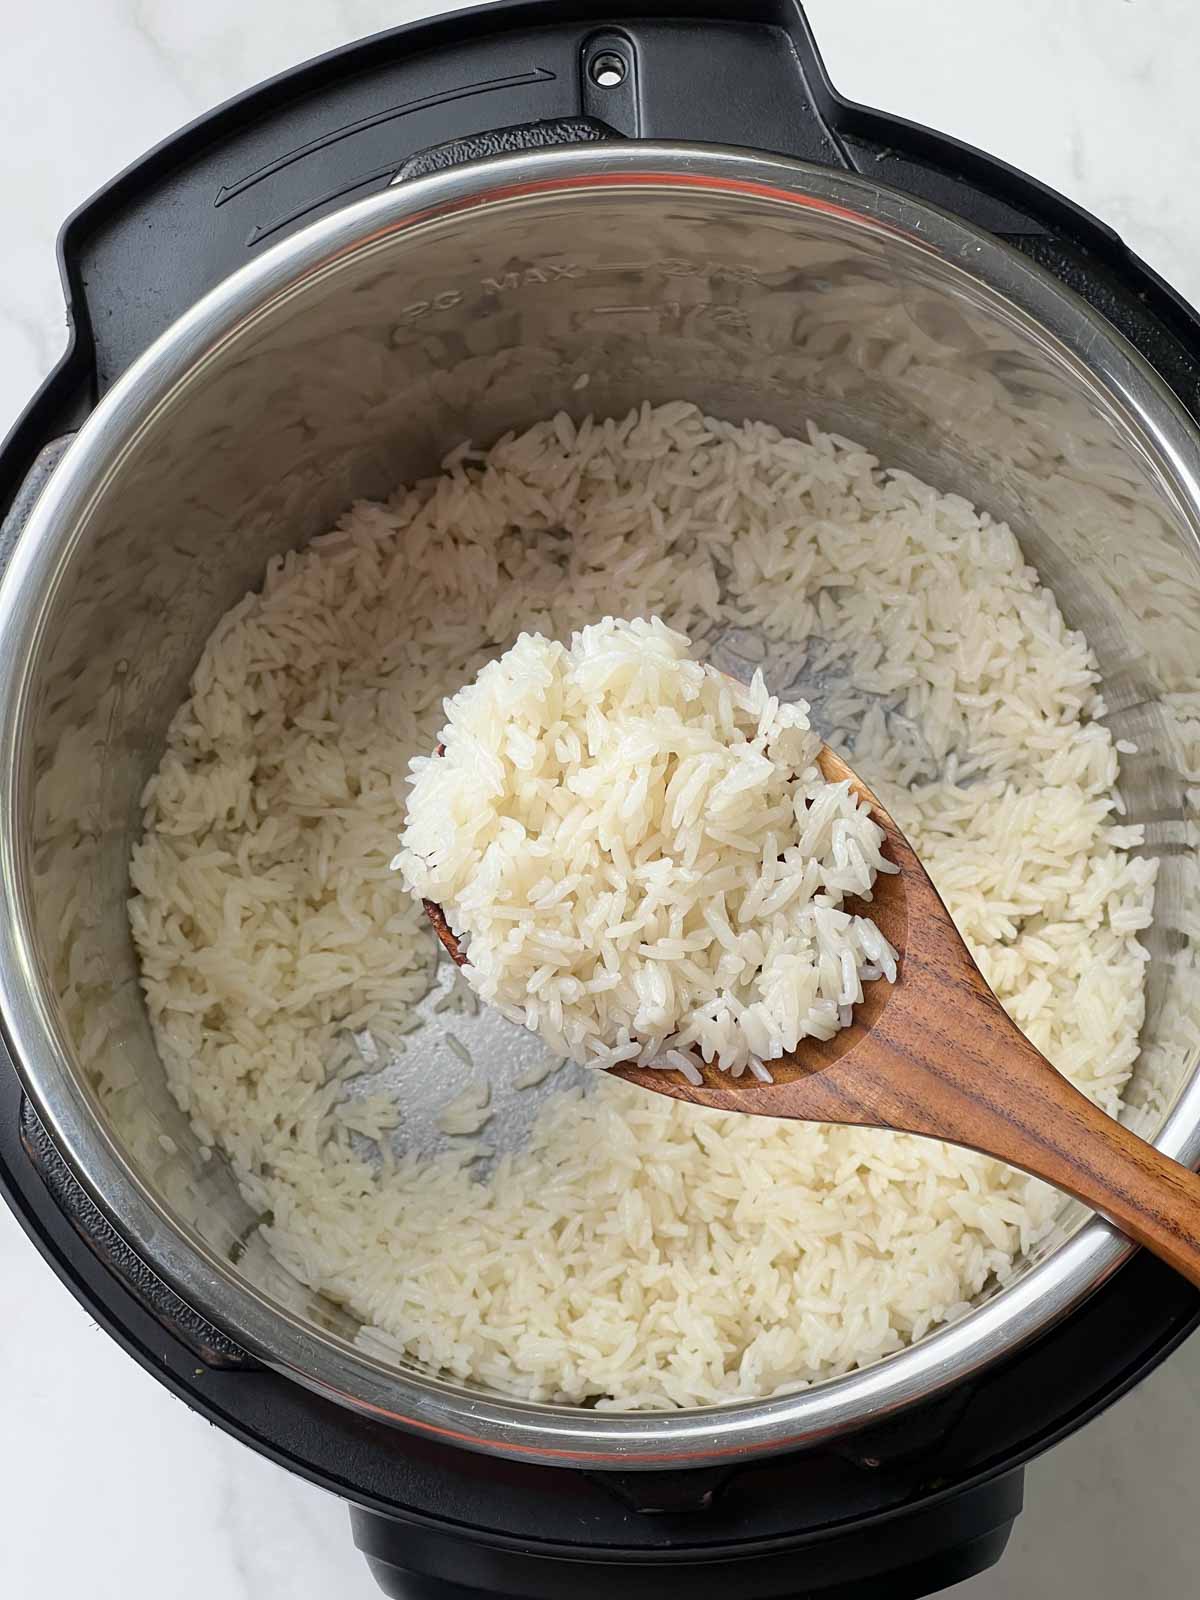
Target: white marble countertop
1096,97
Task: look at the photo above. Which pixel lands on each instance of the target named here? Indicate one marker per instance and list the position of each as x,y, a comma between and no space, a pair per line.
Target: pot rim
326,1362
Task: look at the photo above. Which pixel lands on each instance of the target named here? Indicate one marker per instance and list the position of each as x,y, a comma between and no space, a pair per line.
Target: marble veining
1095,97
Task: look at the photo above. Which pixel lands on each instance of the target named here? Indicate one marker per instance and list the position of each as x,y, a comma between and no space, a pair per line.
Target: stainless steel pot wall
352,357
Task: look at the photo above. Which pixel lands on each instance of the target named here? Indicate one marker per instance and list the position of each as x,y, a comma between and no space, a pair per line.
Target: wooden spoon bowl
936,1054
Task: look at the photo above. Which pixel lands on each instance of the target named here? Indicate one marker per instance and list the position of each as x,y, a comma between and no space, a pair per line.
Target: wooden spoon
936,1054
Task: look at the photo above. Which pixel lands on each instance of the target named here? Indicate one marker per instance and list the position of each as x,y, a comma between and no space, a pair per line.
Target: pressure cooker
311,295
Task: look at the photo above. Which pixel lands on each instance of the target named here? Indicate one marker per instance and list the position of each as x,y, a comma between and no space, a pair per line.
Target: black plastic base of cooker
901,1509
914,1555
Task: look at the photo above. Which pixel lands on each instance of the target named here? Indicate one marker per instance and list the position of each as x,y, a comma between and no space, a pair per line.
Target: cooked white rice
640,856
468,1111
637,1250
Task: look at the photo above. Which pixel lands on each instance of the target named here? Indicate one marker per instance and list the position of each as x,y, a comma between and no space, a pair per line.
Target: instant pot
447,231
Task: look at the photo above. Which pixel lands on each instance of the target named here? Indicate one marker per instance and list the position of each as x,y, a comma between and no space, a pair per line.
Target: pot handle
609,109
31,486
207,1343
504,142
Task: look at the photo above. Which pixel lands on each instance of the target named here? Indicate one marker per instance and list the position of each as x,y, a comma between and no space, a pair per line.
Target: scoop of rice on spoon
665,874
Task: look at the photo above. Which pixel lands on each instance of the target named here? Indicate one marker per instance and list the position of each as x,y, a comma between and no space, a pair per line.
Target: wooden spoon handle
968,1074
1041,1123
944,1058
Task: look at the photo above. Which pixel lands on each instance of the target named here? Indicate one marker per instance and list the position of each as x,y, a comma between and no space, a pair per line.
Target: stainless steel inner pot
350,358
